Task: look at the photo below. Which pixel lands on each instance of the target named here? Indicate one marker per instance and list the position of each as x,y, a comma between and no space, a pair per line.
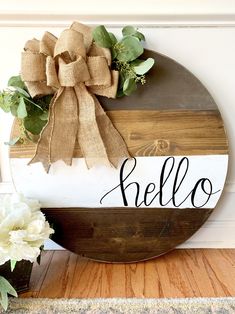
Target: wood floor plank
135,280
93,279
57,283
221,270
194,265
39,273
152,283
173,279
180,273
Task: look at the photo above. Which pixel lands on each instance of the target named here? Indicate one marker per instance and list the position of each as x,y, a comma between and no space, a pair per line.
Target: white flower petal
23,228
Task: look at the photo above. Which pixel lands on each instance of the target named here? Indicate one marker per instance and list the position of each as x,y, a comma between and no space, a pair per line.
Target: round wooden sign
152,202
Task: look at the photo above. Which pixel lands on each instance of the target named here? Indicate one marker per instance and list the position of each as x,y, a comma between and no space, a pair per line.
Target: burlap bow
74,69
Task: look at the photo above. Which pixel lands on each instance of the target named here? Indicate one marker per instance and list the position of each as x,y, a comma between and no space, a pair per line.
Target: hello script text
170,172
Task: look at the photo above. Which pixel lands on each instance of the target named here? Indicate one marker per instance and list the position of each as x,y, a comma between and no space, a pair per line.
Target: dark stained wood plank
169,86
174,115
123,234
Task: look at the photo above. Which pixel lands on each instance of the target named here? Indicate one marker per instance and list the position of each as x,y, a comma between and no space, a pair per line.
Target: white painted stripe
7,187
77,186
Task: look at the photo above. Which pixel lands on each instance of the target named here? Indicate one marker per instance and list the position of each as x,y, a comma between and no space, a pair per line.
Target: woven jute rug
123,306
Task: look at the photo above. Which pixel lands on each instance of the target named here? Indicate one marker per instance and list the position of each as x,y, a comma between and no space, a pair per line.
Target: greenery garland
32,113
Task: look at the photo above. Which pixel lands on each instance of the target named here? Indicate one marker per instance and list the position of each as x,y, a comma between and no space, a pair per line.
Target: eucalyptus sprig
125,56
31,113
5,289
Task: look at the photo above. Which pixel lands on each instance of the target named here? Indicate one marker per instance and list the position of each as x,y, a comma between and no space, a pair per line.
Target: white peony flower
23,228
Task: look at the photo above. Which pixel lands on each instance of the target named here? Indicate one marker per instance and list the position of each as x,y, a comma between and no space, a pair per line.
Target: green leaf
28,136
114,53
139,35
143,66
16,81
12,141
22,91
14,107
128,30
113,38
44,116
33,103
101,37
120,93
5,101
13,264
129,86
132,49
34,124
21,110
131,31
5,289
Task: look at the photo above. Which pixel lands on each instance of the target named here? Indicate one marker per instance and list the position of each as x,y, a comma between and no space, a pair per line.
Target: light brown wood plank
221,270
158,133
180,273
39,274
172,276
57,283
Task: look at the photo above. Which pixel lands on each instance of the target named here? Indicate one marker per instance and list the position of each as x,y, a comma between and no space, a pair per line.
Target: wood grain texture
170,86
158,133
172,115
123,234
180,273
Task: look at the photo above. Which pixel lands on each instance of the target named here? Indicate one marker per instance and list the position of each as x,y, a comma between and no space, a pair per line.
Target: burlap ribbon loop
74,69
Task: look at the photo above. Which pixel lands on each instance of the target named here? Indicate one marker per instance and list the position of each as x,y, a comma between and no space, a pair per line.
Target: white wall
201,37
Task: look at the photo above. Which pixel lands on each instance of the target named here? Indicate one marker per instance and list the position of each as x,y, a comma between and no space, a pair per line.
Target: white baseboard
156,13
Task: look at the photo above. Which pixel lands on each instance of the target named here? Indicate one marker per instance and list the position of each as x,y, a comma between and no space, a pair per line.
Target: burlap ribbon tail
74,69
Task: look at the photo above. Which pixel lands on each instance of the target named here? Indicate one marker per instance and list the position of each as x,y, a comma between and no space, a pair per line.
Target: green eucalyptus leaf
131,31
5,102
113,38
22,91
102,37
122,78
16,81
34,124
13,264
44,116
128,30
139,35
5,289
136,62
120,93
28,136
21,110
12,142
114,53
143,66
14,107
129,86
132,49
34,104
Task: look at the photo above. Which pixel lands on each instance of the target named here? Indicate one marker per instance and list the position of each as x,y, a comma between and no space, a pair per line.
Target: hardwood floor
180,273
